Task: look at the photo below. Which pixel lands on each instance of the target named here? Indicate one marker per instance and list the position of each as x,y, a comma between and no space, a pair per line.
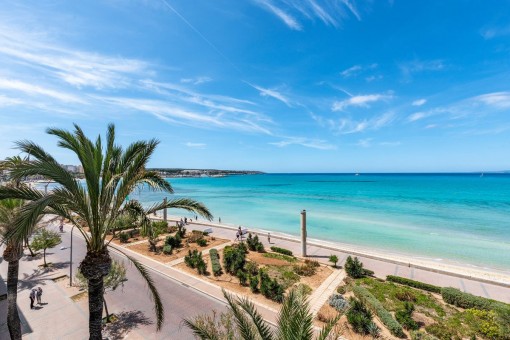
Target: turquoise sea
461,218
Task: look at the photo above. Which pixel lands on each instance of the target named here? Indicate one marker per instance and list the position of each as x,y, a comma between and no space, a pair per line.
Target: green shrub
354,268
167,249
364,295
181,231
174,241
486,323
338,302
202,242
304,289
281,251
251,268
457,298
242,276
341,289
359,317
333,259
307,269
405,317
270,288
287,258
419,335
260,248
234,258
215,262
160,227
254,283
194,260
123,237
441,331
414,284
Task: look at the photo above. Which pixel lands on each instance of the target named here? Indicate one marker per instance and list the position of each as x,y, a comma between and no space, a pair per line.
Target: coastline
461,270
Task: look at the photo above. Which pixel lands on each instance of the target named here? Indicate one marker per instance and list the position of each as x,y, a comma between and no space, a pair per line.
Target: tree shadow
127,321
40,275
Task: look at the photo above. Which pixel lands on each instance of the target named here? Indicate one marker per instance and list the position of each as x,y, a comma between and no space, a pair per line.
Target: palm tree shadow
40,275
127,321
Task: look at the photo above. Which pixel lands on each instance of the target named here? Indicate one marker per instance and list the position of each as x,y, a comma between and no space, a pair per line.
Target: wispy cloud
365,143
358,69
345,126
195,145
359,101
267,92
397,143
419,102
499,100
494,32
196,81
410,68
34,90
306,142
329,12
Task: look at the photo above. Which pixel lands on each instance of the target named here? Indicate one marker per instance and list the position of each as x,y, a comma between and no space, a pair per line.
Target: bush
167,249
254,244
486,323
304,289
419,335
414,284
181,231
242,276
359,317
364,295
251,268
174,241
405,317
123,237
234,258
270,288
405,295
194,260
307,269
354,268
202,242
254,284
160,227
215,262
341,289
333,259
441,331
195,236
338,302
281,251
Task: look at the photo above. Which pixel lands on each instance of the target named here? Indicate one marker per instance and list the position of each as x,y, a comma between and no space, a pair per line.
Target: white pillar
164,211
303,233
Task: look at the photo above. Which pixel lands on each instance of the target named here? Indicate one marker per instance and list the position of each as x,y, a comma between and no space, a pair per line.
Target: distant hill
177,172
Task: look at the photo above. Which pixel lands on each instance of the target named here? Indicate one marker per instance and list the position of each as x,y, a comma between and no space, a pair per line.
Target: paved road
179,301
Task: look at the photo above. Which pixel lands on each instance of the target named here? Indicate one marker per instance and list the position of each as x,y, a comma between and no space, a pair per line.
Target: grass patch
79,296
287,258
284,274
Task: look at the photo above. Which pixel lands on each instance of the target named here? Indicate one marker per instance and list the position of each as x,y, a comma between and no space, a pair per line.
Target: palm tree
294,322
111,173
12,254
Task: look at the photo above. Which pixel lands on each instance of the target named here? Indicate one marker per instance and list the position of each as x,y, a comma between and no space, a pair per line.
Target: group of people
35,293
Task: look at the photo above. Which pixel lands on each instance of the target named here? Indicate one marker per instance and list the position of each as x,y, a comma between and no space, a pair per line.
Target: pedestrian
196,217
269,238
219,220
240,232
38,293
61,227
237,236
32,298
185,220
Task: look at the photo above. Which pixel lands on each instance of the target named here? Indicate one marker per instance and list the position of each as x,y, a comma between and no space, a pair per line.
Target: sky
269,85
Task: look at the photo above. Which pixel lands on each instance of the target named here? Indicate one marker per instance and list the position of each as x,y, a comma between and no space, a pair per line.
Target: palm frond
202,332
185,204
326,330
262,327
245,326
158,304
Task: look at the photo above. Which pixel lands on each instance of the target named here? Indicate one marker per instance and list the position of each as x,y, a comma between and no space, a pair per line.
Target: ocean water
463,218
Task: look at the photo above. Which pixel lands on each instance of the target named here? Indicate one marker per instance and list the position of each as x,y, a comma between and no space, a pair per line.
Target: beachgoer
32,298
240,232
196,217
38,294
185,220
269,238
237,236
61,227
219,219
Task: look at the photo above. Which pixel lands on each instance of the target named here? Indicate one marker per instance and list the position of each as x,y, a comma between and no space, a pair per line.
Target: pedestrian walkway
324,291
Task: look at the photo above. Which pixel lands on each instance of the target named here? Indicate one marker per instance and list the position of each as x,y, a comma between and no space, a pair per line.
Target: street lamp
71,260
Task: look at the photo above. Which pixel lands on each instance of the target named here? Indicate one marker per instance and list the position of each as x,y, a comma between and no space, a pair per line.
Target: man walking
32,298
39,295
61,227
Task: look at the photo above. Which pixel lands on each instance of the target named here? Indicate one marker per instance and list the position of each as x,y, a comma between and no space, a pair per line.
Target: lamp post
71,260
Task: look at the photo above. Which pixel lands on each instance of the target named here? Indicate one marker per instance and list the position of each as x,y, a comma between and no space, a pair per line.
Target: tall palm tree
111,173
12,254
294,322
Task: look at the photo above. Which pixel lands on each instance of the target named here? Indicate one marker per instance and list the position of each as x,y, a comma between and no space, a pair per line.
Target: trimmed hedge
281,251
215,262
387,319
455,297
414,284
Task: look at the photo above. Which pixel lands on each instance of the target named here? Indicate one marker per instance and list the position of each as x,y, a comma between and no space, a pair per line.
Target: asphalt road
179,301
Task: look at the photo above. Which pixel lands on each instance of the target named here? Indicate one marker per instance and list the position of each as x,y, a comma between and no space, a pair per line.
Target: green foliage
307,269
405,317
242,276
45,239
202,242
160,227
364,295
333,259
441,331
195,236
123,222
251,268
281,251
167,249
174,241
485,323
341,289
234,258
414,284
457,298
115,278
338,302
280,257
270,288
123,237
254,244
359,317
419,335
194,260
254,283
181,231
304,289
215,262
354,268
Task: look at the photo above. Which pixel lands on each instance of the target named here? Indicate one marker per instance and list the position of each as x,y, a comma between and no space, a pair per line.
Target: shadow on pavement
126,323
38,276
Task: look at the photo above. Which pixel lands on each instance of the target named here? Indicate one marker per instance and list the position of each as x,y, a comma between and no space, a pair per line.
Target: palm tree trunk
44,256
30,249
13,322
96,299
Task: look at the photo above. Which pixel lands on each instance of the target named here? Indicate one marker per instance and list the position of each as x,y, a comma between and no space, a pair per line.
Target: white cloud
306,142
351,71
359,101
195,145
352,8
266,92
345,126
410,68
196,81
365,143
357,69
419,102
499,100
288,19
493,32
16,85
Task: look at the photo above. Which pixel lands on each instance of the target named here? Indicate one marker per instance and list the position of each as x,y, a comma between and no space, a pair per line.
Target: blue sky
271,85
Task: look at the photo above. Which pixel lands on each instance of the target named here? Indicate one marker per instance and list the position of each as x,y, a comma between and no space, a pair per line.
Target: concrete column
303,233
164,211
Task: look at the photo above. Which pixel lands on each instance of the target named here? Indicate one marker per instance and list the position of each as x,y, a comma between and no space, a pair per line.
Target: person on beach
185,220
237,236
38,294
196,217
219,219
269,238
61,227
240,232
32,298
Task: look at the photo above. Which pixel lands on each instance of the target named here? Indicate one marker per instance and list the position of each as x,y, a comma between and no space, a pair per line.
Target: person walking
32,298
38,294
240,232
269,238
61,227
185,220
219,220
